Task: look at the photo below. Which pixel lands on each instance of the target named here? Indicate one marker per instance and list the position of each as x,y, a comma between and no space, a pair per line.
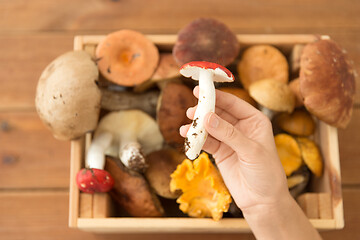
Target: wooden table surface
34,167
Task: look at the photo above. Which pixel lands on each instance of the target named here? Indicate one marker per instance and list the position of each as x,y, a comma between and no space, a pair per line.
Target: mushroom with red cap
93,178
206,73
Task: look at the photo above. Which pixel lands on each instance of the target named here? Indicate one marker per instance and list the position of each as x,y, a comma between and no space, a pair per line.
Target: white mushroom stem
197,134
130,152
95,157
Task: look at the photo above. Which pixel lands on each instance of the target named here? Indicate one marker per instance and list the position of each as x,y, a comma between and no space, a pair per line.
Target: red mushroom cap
220,73
90,180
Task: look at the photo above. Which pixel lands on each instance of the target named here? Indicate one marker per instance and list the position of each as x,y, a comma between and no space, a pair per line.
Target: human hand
242,142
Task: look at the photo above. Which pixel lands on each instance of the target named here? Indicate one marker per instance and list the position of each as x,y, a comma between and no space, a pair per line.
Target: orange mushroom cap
127,57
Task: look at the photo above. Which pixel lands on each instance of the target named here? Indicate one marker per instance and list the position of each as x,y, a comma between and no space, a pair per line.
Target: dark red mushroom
206,39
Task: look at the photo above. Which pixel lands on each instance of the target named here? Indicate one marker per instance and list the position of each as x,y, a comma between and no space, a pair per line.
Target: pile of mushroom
131,97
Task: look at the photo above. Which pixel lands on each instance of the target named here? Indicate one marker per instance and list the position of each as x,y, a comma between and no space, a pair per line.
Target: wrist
269,208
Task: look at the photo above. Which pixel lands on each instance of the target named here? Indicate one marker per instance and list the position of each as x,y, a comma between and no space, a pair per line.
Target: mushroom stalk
94,178
96,154
115,101
197,134
130,153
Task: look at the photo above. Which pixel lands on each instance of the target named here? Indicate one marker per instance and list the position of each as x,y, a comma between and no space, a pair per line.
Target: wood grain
349,147
29,155
38,215
166,16
22,60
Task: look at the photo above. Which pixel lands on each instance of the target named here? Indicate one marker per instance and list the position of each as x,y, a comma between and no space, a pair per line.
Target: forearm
284,221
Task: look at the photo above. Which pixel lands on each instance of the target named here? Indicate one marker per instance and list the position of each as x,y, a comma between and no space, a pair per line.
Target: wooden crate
324,206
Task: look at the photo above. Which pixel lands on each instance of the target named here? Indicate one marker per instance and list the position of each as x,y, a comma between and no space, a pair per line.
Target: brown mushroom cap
175,99
260,62
206,39
67,97
165,71
295,88
327,82
162,164
299,122
127,57
132,192
273,94
240,93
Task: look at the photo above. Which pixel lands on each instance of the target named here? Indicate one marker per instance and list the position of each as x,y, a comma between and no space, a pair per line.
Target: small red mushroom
91,180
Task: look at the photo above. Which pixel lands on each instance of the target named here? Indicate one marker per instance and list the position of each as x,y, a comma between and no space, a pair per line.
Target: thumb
226,133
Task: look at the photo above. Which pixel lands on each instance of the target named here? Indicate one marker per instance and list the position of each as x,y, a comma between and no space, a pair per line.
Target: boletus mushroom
127,57
174,100
272,96
206,39
67,97
206,73
262,62
132,134
294,86
299,122
161,164
327,82
132,192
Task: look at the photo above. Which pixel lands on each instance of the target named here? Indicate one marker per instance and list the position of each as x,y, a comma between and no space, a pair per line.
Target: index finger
232,104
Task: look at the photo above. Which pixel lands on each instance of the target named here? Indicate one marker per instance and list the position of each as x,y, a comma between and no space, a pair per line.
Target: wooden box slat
326,137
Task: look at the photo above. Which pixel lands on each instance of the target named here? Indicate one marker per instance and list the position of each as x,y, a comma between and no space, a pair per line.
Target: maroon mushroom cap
327,82
206,39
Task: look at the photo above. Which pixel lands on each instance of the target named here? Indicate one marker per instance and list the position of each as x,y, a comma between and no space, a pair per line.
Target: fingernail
213,120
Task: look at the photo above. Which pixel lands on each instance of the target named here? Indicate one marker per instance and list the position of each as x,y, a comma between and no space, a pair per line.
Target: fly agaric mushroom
262,62
131,133
206,39
272,96
298,123
161,164
327,82
240,93
206,73
68,112
174,100
132,192
127,57
289,153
